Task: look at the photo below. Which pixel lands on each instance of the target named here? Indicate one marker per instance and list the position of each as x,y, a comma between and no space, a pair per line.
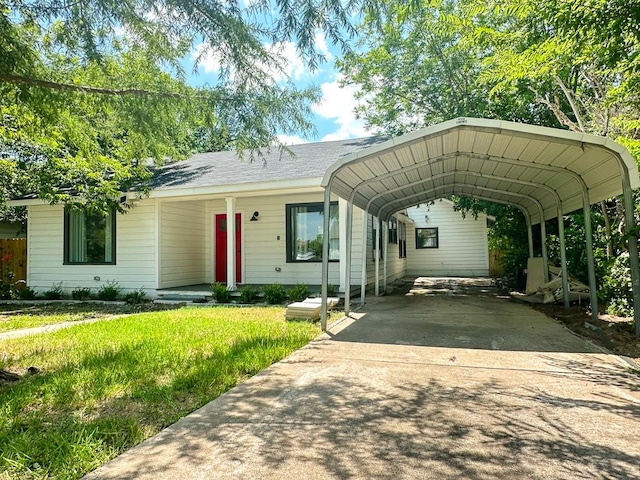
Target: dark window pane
426,238
89,238
305,232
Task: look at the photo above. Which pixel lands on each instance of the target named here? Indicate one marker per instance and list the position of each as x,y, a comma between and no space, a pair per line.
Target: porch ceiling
527,166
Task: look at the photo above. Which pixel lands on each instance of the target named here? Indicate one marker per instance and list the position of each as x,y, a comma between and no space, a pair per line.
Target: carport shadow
348,427
457,313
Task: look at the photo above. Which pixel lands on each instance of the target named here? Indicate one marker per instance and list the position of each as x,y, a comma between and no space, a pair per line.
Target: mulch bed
614,333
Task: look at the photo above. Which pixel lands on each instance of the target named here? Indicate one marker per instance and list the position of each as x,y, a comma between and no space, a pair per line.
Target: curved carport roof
511,162
545,172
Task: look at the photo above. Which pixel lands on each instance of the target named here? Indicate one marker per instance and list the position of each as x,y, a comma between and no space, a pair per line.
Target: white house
180,235
445,243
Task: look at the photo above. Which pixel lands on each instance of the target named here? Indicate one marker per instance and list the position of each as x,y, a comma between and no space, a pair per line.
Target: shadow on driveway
444,386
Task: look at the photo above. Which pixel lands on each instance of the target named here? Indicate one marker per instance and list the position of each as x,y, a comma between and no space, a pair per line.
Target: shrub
332,290
274,294
109,291
298,293
55,292
220,293
26,293
248,294
136,297
81,293
616,287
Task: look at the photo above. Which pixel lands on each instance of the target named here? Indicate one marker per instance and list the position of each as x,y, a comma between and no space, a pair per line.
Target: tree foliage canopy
92,91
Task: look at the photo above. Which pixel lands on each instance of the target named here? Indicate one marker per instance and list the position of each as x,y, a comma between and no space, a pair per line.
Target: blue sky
333,115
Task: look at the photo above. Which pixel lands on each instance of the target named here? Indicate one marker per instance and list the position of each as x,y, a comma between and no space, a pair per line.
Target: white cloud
321,46
338,103
291,139
294,67
209,61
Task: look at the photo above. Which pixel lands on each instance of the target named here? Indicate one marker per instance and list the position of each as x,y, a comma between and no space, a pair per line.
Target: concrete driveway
416,385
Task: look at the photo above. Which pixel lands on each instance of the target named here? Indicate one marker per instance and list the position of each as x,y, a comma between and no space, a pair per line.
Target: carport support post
363,275
529,234
385,246
325,257
376,249
563,260
634,264
591,268
545,255
347,259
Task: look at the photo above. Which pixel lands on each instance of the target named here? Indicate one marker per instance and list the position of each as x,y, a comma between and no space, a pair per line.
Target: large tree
92,91
549,62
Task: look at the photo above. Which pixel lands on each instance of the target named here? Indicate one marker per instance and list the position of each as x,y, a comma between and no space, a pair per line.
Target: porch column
347,259
363,273
385,248
377,257
325,257
231,243
342,241
563,259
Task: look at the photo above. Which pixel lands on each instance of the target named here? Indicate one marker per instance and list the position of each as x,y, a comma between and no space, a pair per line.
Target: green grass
107,386
15,317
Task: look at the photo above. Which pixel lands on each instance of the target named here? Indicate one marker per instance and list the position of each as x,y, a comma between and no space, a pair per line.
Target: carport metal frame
519,132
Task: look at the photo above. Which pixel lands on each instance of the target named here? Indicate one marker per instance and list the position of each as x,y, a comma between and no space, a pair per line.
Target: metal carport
545,172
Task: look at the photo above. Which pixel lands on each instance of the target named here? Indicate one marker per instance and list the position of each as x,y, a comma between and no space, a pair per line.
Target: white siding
396,266
135,251
183,243
462,250
264,242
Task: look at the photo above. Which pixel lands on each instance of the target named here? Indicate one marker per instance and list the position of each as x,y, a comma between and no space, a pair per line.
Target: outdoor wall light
255,216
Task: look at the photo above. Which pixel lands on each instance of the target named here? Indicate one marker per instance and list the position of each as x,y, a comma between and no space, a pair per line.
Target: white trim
231,242
242,189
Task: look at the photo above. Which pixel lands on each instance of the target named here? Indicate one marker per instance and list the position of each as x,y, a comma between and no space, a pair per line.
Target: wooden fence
495,263
13,259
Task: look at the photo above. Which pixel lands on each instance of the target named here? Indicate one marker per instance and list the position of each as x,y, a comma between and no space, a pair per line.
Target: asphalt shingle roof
225,168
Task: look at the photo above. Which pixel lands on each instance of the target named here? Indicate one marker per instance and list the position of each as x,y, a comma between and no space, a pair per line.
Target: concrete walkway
415,386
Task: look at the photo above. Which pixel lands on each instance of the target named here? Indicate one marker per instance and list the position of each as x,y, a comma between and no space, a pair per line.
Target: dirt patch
614,333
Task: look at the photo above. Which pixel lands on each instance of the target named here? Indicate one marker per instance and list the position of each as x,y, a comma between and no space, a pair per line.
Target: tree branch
18,79
557,111
571,101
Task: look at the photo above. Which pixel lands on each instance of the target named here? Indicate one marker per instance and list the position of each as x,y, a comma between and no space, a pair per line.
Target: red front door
221,248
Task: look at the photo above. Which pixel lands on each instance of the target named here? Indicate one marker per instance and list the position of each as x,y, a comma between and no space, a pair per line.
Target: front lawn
106,386
15,317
